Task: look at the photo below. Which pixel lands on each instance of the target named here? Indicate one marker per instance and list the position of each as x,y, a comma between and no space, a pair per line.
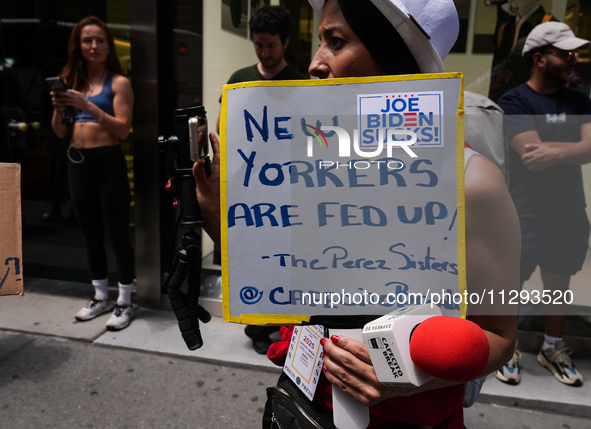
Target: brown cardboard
11,245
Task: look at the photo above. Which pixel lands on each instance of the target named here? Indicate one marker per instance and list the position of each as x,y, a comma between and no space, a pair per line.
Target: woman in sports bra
97,170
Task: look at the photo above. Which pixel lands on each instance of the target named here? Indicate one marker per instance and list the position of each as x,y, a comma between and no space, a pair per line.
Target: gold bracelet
100,118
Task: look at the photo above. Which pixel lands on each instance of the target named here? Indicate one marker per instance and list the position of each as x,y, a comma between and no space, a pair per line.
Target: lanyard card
304,358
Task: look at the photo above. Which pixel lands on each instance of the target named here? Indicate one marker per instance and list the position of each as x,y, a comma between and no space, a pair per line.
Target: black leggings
100,193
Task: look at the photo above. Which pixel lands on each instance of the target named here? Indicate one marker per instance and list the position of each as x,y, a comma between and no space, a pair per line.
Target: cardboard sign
11,246
341,196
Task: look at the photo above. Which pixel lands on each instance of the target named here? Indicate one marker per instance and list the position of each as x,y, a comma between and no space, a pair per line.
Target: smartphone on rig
56,83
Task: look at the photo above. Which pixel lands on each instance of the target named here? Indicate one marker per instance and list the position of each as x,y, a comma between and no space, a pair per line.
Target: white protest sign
342,196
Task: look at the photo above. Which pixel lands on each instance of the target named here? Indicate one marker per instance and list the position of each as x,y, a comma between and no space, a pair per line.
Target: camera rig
188,146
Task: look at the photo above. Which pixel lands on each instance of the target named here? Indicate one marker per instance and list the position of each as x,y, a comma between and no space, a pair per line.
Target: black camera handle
186,308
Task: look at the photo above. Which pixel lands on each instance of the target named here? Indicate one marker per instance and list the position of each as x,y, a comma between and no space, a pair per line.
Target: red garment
426,408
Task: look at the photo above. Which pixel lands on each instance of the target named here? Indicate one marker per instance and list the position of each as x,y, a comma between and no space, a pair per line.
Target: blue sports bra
104,100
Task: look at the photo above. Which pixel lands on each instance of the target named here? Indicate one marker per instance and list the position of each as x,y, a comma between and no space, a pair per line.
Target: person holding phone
99,186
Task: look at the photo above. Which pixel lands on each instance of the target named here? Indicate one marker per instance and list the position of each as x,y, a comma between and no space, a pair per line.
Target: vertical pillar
144,79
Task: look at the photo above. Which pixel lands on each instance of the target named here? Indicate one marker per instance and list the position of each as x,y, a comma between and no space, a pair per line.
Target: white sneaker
559,363
121,317
94,308
510,372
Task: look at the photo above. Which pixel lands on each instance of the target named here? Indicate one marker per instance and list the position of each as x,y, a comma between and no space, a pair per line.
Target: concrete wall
223,53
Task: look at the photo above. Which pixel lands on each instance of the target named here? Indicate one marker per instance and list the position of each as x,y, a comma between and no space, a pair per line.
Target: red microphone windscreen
449,348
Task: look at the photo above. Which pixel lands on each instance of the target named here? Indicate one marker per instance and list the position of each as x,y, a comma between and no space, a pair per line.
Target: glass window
35,37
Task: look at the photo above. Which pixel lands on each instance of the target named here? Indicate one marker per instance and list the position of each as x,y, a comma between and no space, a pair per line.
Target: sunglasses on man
565,55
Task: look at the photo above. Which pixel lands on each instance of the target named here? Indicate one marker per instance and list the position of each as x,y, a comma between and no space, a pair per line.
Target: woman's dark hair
272,20
75,73
379,36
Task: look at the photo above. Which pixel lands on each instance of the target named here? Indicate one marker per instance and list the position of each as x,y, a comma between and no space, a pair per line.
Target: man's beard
270,63
556,74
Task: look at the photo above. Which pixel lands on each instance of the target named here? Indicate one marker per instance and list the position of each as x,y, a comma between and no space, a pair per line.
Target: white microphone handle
347,413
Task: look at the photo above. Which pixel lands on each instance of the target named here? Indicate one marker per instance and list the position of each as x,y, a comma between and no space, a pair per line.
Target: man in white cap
549,130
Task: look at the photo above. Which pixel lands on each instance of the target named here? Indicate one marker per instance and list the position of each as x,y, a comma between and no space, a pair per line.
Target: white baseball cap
557,34
429,27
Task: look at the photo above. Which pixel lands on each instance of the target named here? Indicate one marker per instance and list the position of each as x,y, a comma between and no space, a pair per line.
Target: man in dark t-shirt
549,130
269,27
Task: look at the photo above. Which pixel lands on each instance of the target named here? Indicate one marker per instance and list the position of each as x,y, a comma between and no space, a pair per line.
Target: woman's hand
71,97
58,100
347,365
208,191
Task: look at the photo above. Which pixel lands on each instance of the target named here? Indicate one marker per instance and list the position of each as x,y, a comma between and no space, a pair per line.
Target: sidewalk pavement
156,332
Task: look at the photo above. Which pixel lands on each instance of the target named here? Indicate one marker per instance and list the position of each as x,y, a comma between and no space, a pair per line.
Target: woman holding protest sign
386,37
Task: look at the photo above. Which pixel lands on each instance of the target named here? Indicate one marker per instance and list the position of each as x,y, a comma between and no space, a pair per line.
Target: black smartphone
56,83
